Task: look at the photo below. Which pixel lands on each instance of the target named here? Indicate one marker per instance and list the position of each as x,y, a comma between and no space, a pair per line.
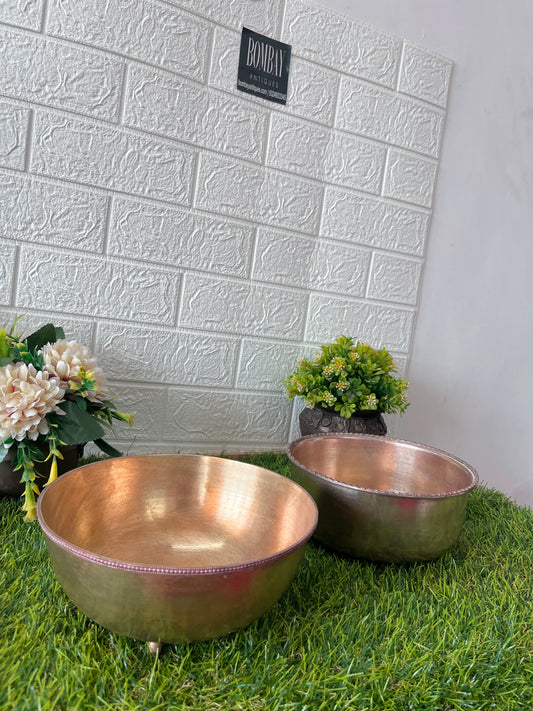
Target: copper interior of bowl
384,464
178,511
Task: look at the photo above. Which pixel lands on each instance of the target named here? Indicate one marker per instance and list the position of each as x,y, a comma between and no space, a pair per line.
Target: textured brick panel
297,407
298,147
197,237
151,32
75,329
315,151
401,364
260,15
376,223
172,237
164,104
250,192
225,62
7,269
378,325
311,264
312,89
202,448
341,42
24,13
62,216
264,365
226,417
394,278
410,178
110,158
425,75
13,129
44,71
378,113
148,404
240,307
162,356
96,287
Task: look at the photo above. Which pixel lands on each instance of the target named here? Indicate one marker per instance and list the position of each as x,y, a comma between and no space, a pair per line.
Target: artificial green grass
455,633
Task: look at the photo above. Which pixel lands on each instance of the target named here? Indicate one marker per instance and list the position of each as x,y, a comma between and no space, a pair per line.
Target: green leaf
46,334
345,410
5,361
77,427
4,343
107,448
3,452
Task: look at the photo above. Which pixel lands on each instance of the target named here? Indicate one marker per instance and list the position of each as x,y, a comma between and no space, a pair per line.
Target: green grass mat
456,633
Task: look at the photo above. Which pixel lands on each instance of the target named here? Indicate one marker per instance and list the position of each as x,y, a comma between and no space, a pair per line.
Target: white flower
26,397
371,400
328,398
64,360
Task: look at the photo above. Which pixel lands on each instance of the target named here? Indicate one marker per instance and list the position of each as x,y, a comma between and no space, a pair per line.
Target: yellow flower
338,364
127,417
29,505
53,471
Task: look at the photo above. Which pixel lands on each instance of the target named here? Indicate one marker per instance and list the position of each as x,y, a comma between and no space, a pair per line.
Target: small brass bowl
172,548
382,498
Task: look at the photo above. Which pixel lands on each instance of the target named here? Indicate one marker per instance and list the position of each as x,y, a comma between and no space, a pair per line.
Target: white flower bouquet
52,394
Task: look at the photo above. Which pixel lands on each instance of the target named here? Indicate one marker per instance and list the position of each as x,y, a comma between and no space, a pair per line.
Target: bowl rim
169,570
395,440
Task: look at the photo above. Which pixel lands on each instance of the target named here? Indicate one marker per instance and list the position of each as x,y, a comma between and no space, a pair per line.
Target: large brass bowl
382,498
170,548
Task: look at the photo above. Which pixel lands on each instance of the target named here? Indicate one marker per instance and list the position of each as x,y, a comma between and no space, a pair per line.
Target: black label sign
263,66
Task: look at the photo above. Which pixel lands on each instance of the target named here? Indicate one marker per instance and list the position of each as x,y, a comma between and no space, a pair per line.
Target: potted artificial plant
53,400
346,388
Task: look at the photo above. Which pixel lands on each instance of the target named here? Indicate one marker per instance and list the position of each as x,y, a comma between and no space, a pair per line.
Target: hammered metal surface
175,547
382,498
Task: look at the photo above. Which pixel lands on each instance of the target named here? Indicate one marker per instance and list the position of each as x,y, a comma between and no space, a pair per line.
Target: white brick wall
200,239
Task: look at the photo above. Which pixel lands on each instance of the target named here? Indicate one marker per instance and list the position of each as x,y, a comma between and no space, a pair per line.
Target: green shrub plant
348,378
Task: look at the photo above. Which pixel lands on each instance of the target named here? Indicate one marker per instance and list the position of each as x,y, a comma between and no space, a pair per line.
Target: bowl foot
154,648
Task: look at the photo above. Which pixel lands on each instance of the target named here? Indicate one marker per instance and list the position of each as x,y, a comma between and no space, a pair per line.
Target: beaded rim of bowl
391,492
165,570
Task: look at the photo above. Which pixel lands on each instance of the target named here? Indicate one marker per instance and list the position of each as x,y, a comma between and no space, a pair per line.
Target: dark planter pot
10,484
315,421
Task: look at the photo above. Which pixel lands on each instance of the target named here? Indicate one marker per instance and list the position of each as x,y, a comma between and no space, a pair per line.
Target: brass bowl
172,548
382,498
